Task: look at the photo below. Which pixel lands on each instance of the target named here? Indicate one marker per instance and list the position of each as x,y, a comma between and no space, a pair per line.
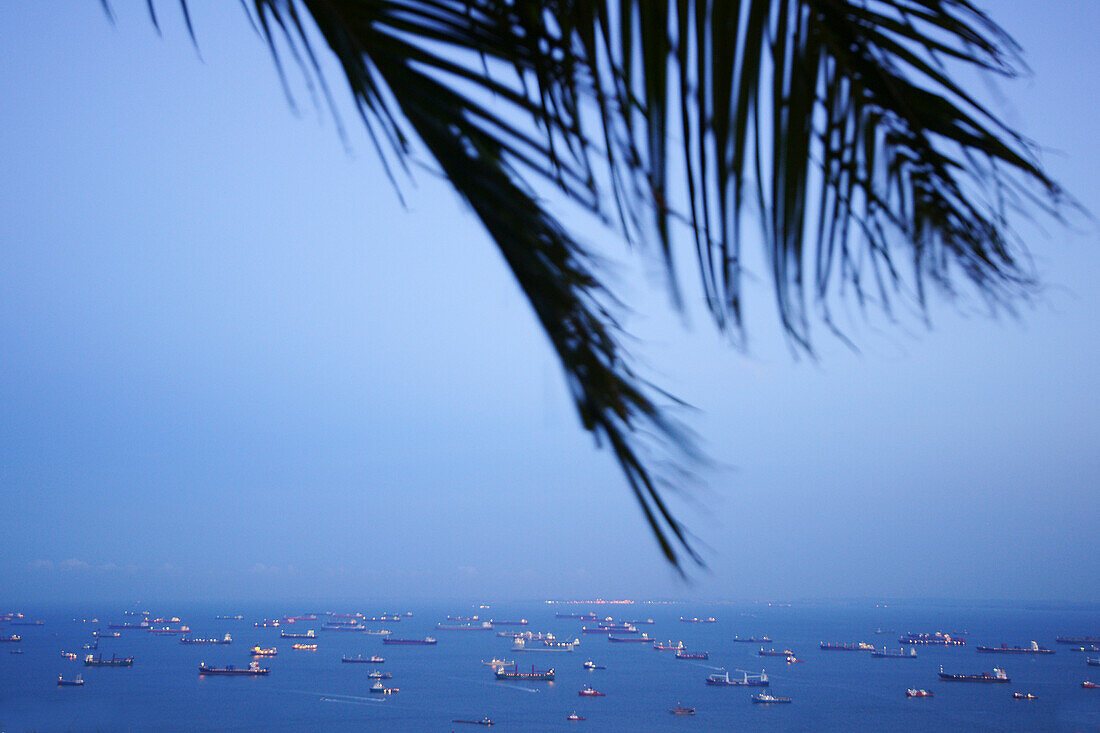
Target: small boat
1089,685
494,662
379,689
484,721
587,691
12,639
681,710
769,699
1022,696
592,665
917,693
795,660
573,716
69,655
77,681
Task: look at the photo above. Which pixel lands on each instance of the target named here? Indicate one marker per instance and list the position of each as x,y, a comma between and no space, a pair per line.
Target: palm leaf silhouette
835,124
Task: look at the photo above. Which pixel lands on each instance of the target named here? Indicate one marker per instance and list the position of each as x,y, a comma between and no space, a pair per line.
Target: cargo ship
426,641
997,675
581,616
753,639
311,634
520,622
918,693
639,622
483,721
233,617
692,655
93,661
936,639
99,634
774,653
503,673
169,630
668,646
77,681
723,679
545,645
360,659
899,654
252,670
696,620
473,626
1005,649
227,639
643,639
304,647
856,646
258,651
681,710
124,626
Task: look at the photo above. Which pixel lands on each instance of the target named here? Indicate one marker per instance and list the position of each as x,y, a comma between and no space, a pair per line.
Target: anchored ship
252,670
1005,649
93,661
936,639
723,679
899,654
997,675
227,639
503,673
426,641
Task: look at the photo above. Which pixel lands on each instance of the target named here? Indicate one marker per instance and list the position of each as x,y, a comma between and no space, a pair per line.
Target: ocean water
314,691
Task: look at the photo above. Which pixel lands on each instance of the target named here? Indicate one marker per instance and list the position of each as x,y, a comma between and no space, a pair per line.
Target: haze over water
233,369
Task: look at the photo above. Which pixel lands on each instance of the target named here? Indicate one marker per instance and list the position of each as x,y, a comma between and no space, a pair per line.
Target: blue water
306,691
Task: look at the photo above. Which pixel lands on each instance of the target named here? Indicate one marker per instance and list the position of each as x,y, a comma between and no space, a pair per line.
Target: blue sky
232,362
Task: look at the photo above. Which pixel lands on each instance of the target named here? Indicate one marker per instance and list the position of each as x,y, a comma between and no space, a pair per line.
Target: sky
234,364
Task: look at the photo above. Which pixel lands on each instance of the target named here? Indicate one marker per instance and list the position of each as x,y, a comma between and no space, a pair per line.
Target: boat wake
499,684
352,701
334,697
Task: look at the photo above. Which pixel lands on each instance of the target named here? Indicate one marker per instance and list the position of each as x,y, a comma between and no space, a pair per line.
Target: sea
437,686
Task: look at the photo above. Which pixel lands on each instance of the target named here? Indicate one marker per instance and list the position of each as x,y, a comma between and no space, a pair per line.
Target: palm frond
837,120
